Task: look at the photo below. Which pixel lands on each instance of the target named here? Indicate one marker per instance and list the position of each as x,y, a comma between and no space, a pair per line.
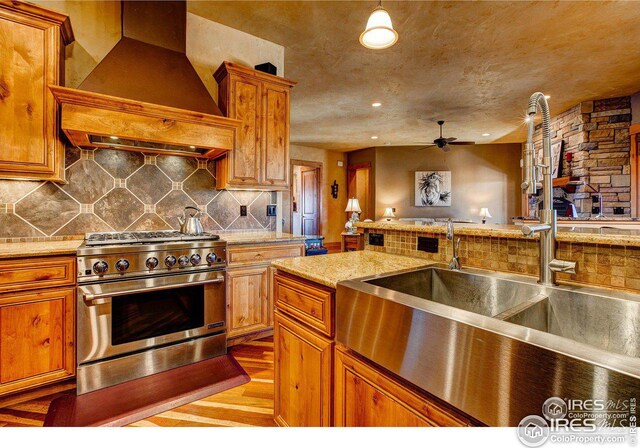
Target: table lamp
388,214
353,206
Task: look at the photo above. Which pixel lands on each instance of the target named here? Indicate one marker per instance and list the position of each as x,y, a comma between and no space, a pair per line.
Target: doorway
306,197
359,186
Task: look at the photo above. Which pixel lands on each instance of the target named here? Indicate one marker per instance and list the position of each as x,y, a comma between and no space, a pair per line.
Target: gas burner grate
113,238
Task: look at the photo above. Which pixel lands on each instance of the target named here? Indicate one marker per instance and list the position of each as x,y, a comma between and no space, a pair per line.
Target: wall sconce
334,189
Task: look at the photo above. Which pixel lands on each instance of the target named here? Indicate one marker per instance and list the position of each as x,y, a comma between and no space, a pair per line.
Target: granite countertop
260,237
39,248
588,235
330,269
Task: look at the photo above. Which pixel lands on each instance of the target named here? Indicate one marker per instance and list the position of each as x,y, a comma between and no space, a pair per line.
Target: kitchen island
320,382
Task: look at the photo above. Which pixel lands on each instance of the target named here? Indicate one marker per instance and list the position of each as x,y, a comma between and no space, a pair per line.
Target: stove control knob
211,257
183,261
195,259
170,261
151,263
100,267
122,265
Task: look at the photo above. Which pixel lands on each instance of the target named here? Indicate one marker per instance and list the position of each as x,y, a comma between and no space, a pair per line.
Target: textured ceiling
473,64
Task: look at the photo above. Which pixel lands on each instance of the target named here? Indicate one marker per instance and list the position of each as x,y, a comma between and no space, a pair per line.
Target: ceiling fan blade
462,143
425,147
450,139
446,148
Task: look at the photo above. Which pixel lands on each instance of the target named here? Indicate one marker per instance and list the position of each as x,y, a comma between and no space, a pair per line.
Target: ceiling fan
443,143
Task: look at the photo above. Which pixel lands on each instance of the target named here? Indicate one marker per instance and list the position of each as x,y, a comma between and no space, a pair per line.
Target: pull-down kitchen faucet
454,264
547,227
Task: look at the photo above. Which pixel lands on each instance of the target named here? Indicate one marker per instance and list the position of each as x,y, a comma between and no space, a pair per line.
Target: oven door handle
100,299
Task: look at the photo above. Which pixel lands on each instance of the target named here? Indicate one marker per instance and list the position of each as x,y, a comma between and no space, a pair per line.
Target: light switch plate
271,210
243,210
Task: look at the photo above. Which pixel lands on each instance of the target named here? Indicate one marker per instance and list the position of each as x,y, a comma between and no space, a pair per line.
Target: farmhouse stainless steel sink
496,346
480,294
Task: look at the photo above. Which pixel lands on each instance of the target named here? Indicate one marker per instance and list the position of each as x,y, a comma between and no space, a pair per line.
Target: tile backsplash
110,190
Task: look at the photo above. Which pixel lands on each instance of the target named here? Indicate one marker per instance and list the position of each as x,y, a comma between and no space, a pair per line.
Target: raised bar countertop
330,269
622,237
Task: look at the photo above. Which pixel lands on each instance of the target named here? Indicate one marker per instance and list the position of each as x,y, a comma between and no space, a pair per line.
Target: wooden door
37,337
275,141
359,186
303,361
244,105
32,59
309,203
366,396
247,301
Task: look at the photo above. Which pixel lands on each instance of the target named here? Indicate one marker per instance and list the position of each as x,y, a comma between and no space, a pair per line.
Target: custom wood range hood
145,95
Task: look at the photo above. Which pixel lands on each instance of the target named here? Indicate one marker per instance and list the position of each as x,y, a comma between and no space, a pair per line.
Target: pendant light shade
379,32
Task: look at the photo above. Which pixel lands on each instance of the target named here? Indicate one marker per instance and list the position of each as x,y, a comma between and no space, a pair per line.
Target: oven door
122,317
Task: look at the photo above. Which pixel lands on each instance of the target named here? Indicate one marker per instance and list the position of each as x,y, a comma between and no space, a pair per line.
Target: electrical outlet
243,210
271,210
428,244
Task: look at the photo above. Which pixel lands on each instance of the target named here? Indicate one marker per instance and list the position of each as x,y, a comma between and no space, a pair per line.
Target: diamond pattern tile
173,205
258,209
48,208
120,164
200,187
224,209
149,184
119,208
114,187
177,168
87,181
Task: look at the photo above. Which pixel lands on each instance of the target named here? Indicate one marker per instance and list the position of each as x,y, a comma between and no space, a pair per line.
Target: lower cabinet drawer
35,273
37,338
303,376
310,303
367,396
245,255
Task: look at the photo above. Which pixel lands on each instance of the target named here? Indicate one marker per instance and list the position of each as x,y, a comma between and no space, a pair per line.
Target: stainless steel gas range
147,302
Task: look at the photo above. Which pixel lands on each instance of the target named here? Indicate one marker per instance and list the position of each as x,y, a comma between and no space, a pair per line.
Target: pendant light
379,32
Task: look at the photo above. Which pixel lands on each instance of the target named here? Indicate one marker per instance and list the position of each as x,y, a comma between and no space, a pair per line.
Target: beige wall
210,43
482,176
97,28
333,216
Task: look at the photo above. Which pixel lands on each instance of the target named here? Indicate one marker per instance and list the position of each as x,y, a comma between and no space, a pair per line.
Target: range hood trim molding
212,132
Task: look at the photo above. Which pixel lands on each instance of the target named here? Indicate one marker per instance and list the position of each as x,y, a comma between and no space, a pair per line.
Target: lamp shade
379,33
353,206
388,213
484,213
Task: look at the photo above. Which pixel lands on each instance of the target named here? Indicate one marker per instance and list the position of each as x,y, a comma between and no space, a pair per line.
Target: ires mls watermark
581,421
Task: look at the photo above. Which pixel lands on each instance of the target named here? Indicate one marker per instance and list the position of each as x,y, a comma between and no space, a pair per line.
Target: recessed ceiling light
546,97
192,147
113,137
376,104
486,134
374,137
527,119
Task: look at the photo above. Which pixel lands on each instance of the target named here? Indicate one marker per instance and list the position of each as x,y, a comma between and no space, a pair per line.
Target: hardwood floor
248,405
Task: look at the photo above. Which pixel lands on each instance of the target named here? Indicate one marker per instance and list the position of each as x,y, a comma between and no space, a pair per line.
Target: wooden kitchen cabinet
260,101
250,288
303,377
32,41
37,338
367,396
248,309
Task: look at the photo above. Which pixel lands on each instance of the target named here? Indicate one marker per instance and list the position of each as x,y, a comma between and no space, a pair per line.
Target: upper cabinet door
244,163
260,159
275,143
31,48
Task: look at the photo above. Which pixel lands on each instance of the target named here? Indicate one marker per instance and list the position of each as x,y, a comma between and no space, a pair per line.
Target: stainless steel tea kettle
190,225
